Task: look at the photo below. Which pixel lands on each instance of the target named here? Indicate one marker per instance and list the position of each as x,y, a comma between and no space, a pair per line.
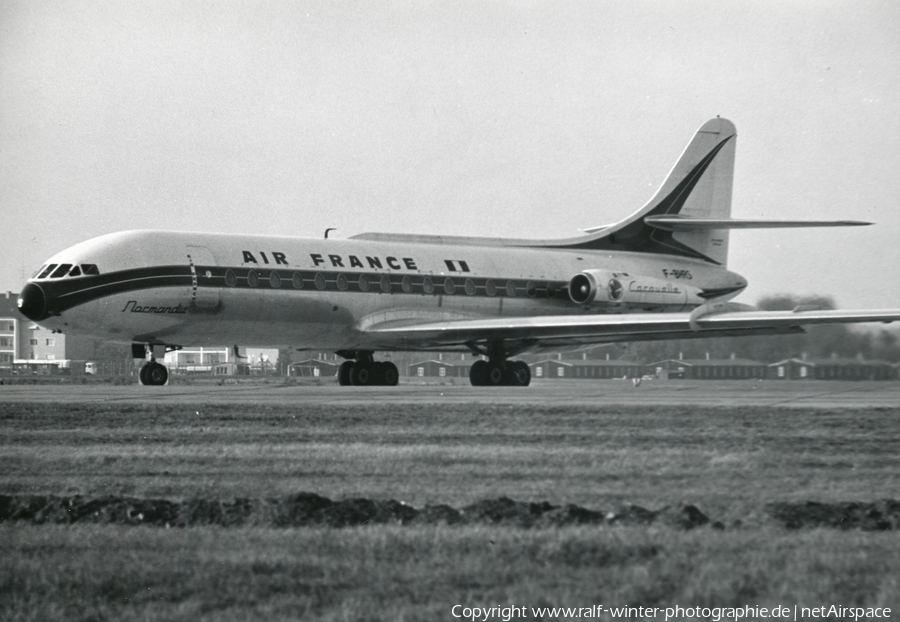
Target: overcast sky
523,119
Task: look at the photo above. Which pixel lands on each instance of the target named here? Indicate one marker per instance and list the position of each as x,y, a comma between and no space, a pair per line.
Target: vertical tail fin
698,186
711,196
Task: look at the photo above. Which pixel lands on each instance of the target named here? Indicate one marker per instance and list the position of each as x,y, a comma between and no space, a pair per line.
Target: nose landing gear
152,373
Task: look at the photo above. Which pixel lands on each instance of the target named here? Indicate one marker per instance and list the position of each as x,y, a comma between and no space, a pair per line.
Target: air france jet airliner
661,273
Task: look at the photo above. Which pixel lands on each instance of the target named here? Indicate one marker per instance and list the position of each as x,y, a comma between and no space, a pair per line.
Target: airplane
660,273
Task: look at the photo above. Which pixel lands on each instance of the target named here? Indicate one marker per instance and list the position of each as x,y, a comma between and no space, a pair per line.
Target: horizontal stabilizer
685,223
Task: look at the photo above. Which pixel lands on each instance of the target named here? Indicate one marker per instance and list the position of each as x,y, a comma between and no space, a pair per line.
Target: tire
496,374
142,375
520,373
478,373
344,372
157,374
390,375
361,375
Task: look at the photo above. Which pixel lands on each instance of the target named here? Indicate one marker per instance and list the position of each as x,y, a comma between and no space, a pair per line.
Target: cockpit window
89,269
38,271
76,271
47,271
61,271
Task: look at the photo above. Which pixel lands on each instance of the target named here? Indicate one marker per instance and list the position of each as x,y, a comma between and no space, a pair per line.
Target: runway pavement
806,394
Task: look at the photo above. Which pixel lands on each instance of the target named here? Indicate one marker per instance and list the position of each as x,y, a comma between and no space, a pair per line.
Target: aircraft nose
32,302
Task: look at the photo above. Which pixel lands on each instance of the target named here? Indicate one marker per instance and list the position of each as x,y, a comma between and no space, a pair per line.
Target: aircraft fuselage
201,289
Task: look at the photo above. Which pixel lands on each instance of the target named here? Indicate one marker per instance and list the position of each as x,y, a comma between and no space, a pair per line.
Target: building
790,369
587,369
25,345
551,368
231,369
606,369
314,368
852,369
707,369
437,369
43,345
263,361
9,341
197,360
222,361
675,369
12,334
831,369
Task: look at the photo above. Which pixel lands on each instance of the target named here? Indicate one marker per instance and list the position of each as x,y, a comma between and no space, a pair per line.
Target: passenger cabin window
61,271
89,269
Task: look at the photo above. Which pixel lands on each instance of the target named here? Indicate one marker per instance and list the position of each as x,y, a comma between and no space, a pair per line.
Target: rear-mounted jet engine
603,286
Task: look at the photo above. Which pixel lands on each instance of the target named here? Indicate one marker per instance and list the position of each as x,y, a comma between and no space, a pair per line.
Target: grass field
563,444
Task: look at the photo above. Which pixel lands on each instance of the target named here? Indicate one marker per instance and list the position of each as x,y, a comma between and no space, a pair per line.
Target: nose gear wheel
154,374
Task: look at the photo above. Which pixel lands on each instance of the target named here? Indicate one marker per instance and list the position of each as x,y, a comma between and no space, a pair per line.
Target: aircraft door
204,293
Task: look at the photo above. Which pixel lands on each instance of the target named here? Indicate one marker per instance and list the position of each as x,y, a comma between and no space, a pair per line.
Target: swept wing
538,332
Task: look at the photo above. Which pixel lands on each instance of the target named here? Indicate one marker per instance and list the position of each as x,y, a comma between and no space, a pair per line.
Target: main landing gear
504,373
364,371
497,371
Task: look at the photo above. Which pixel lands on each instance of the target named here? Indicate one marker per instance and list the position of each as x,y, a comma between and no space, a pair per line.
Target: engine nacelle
607,287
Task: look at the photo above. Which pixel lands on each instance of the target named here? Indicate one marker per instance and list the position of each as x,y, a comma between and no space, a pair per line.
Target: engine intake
582,288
